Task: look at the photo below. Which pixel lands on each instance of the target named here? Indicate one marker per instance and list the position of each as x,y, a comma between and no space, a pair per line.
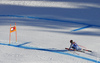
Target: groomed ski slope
45,29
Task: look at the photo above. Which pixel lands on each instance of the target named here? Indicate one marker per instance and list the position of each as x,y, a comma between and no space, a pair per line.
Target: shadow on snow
59,18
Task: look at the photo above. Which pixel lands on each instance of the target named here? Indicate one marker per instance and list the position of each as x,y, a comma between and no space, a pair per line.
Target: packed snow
45,28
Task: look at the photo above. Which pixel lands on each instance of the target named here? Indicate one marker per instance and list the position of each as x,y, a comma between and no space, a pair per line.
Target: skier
74,46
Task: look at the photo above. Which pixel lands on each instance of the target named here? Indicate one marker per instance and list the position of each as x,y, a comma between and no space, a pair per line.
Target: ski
87,50
72,50
83,50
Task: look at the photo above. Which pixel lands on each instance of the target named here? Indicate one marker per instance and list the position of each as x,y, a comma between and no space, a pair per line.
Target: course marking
31,17
49,50
82,28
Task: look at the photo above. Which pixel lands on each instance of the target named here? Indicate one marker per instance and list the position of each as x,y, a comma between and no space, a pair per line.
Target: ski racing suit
74,46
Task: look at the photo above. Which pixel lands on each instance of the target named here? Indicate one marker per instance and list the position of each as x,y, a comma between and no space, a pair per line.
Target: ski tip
90,51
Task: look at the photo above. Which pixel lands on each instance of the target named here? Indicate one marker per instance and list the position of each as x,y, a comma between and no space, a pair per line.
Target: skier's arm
70,47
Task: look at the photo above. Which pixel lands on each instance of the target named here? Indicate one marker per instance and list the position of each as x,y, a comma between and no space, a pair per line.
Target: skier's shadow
33,48
51,50
41,49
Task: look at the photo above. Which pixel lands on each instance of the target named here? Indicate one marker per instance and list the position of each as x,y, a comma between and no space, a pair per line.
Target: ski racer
74,46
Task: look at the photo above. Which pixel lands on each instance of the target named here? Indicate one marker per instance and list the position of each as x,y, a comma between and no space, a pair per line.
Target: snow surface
44,29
